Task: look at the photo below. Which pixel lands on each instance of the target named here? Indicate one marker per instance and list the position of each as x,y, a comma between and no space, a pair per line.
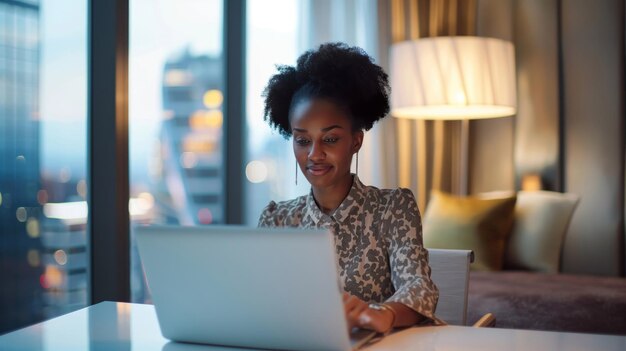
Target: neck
329,198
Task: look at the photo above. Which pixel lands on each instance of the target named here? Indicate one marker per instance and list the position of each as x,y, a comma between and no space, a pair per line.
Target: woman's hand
358,314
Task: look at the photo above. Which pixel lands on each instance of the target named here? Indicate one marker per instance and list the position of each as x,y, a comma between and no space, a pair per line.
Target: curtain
427,153
419,155
356,23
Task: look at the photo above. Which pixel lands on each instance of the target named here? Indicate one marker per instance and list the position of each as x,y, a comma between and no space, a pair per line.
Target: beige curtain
427,153
354,22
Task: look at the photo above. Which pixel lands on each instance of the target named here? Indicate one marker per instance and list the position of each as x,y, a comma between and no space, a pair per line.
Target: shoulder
394,203
398,198
401,204
374,195
403,198
404,218
277,214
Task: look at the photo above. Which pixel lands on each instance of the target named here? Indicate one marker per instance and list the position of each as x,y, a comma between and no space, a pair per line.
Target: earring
296,172
357,164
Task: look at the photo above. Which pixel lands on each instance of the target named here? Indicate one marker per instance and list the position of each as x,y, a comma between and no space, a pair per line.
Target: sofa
552,302
517,239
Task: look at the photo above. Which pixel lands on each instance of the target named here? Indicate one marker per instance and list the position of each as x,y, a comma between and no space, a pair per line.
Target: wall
569,129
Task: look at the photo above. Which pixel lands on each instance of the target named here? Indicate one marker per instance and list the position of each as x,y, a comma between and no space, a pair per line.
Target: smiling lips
318,170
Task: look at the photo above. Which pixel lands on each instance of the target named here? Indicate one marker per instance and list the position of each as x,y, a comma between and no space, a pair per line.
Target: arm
405,316
382,320
360,315
416,295
410,272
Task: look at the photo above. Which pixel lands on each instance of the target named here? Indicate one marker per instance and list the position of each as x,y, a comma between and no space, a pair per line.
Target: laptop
247,287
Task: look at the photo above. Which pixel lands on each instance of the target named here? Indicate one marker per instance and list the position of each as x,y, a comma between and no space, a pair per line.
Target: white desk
119,326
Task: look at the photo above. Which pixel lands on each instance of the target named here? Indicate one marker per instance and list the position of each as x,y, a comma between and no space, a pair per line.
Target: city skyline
20,213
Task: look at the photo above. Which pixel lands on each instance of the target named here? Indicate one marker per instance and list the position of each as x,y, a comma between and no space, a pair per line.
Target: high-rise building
191,190
65,255
20,244
191,137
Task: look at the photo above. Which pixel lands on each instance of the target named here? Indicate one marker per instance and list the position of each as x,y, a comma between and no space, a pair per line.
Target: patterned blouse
378,238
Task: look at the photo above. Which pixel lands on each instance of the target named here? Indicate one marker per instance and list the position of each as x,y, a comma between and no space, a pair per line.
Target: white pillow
541,222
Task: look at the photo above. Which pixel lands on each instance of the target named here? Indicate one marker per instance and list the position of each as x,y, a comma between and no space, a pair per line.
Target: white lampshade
452,78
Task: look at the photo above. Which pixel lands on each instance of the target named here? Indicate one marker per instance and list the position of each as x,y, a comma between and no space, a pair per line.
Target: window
278,31
176,95
177,168
44,261
273,36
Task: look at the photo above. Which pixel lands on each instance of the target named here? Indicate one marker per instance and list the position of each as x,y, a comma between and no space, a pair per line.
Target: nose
316,152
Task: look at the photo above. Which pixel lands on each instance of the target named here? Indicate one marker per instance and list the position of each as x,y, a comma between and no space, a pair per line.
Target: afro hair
337,72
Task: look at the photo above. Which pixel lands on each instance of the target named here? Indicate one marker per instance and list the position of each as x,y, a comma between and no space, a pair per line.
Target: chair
450,272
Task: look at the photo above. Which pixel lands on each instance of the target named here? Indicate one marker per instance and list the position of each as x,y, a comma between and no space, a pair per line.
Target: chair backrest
450,272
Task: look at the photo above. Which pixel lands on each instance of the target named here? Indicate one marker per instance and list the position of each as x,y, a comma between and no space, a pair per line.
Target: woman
325,103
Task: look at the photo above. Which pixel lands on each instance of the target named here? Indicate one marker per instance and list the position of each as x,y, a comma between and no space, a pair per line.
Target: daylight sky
158,30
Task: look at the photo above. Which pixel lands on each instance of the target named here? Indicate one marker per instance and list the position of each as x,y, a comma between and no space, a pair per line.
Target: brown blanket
557,302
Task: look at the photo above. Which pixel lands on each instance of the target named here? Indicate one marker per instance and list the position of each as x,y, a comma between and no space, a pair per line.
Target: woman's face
323,141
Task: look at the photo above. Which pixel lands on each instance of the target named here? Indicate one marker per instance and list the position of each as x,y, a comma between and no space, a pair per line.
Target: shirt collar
352,203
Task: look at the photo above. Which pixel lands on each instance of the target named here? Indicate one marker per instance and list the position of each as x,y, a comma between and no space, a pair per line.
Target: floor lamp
453,78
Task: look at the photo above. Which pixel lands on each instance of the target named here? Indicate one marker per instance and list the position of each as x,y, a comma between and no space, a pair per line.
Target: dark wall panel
491,155
537,122
593,92
491,140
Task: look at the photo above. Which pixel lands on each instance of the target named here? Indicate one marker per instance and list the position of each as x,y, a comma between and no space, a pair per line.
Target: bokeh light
256,172
33,258
77,210
81,188
141,205
188,160
65,175
205,216
60,257
21,214
52,278
32,227
206,119
177,78
213,98
42,197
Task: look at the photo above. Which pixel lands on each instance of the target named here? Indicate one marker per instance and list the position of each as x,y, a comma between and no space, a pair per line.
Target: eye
302,141
331,140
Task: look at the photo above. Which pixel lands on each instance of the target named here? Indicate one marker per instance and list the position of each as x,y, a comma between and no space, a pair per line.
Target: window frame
108,217
108,195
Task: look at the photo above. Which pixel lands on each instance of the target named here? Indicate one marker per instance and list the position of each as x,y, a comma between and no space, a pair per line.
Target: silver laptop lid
247,287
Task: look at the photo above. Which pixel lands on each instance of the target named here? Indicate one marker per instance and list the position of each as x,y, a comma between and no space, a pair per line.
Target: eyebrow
323,129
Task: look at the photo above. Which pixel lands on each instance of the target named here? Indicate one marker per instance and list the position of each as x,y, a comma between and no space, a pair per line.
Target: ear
357,141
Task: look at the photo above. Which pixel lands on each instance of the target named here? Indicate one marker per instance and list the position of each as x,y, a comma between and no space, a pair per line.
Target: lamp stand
464,156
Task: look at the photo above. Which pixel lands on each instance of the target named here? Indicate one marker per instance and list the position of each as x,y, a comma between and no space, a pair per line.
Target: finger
365,319
353,308
373,320
350,303
356,312
352,322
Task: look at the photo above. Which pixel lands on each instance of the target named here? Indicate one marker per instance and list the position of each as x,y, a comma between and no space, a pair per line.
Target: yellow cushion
471,223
